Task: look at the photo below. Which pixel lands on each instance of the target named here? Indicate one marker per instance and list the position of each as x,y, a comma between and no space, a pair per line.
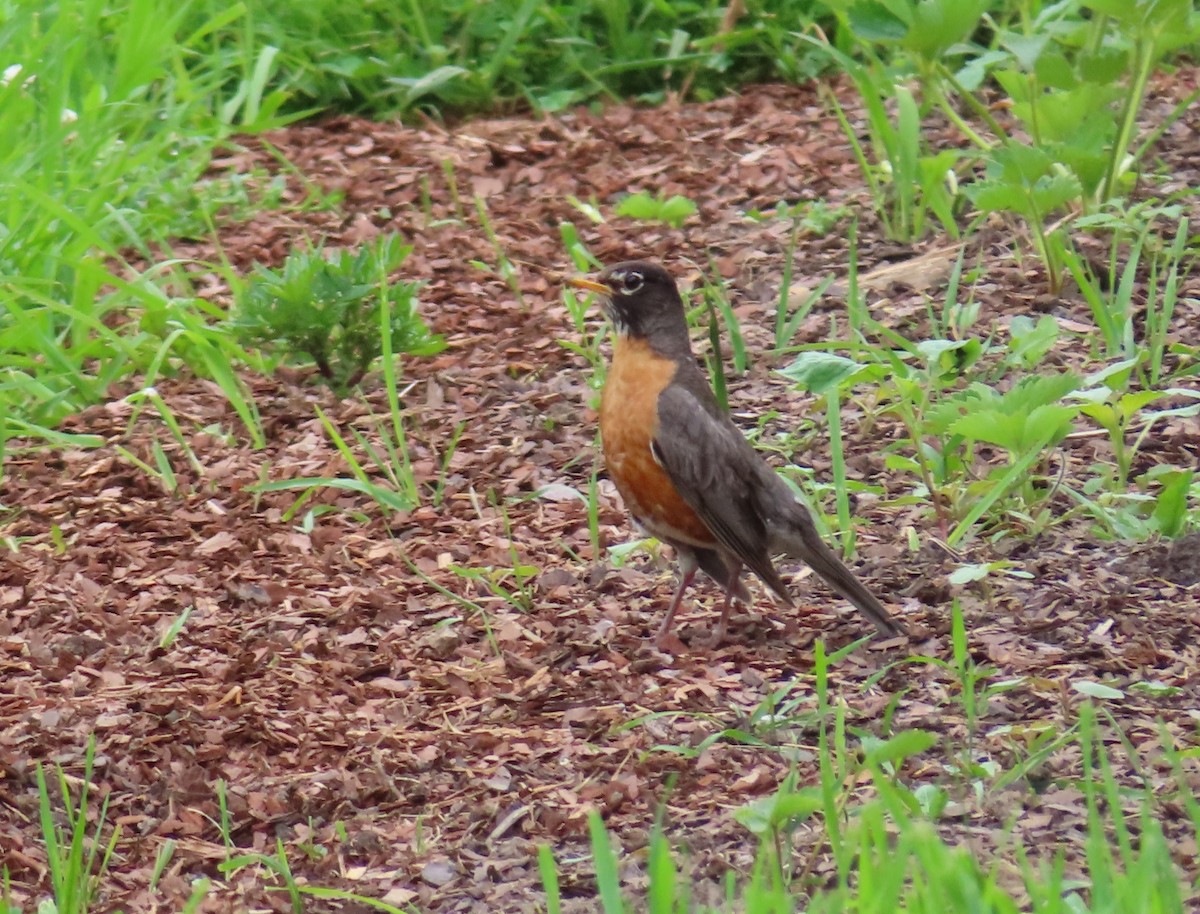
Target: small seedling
505,268
674,211
327,305
173,630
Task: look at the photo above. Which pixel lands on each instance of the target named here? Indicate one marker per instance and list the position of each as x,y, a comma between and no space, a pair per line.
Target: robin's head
641,300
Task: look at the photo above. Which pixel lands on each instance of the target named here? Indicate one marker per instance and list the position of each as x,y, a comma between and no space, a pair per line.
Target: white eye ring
632,281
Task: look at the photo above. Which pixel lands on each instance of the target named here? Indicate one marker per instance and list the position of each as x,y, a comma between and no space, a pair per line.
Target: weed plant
331,308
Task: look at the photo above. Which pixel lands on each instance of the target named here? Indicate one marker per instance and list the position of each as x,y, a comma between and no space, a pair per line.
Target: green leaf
976,69
939,24
1052,192
1029,342
1104,414
932,800
1017,432
779,809
1054,71
675,210
430,83
1096,690
1039,390
549,874
607,876
950,355
1026,49
1026,180
874,22
665,885
558,100
900,747
993,197
1047,423
1115,376
993,427
969,574
1171,507
819,372
1128,405
1104,66
1078,117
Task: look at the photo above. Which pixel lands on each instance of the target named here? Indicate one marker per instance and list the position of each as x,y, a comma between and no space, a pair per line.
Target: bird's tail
791,531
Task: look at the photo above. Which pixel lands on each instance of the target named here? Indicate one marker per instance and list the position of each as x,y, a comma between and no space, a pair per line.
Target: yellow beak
582,282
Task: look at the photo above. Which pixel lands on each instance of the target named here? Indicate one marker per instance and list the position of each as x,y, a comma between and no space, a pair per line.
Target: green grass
864,810
109,129
461,55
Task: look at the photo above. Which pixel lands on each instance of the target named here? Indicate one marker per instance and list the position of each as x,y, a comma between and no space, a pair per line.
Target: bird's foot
668,642
718,637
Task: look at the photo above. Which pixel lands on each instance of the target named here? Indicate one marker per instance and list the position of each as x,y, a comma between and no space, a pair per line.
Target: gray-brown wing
715,469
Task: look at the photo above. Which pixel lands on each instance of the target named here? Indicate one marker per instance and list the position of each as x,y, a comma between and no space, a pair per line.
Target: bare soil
410,735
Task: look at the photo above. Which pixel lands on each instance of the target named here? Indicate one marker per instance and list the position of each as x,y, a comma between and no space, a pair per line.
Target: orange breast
628,423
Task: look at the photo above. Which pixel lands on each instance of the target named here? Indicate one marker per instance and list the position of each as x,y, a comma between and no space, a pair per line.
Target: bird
686,473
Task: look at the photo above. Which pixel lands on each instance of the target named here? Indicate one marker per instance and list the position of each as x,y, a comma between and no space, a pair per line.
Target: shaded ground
330,685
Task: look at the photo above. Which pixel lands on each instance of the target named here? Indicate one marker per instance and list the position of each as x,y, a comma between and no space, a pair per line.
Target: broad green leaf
1039,390
1115,376
1132,403
932,799
1047,423
994,197
1018,432
968,574
1104,414
938,24
900,747
1171,507
1015,85
1052,192
950,355
874,22
557,100
676,209
1096,690
1026,49
1104,66
768,813
1054,71
1078,117
821,371
993,427
1029,342
975,70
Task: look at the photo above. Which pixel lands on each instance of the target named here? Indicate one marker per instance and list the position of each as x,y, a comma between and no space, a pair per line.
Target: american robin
685,471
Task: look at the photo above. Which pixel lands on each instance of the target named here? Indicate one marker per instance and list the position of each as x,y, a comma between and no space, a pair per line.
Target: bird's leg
687,571
723,623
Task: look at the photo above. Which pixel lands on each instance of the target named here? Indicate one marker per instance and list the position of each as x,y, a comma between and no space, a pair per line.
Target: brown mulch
364,690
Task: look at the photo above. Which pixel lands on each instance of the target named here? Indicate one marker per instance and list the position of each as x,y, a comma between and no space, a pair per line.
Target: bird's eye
632,281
